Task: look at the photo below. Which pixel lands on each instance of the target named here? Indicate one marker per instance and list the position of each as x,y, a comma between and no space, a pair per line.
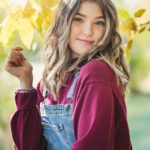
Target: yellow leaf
139,13
129,45
34,19
44,20
8,28
47,4
26,32
123,13
40,20
16,12
28,10
142,29
48,20
128,49
129,24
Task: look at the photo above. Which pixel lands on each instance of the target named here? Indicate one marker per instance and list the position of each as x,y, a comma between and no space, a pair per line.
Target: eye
78,19
100,23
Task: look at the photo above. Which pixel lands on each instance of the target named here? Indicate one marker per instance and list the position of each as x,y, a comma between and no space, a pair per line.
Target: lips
85,41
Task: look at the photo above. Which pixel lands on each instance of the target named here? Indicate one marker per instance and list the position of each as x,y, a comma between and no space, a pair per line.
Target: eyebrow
99,17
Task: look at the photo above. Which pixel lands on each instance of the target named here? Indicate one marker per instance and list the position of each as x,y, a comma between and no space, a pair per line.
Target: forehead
90,8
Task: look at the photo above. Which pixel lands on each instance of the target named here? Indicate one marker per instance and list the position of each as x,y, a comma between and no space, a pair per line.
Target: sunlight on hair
66,1
69,2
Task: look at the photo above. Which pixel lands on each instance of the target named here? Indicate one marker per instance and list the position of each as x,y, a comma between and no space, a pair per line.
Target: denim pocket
55,126
55,135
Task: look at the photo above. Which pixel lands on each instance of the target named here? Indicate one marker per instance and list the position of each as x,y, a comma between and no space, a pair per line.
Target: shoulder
97,71
97,66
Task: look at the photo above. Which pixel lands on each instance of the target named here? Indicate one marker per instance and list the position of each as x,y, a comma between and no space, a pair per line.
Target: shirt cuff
26,100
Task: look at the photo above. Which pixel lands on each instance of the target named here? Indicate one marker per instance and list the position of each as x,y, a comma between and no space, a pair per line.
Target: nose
87,29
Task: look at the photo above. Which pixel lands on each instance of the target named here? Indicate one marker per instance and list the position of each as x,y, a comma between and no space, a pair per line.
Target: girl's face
87,28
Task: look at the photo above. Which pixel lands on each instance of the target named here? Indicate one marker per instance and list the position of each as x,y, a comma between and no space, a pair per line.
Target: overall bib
57,122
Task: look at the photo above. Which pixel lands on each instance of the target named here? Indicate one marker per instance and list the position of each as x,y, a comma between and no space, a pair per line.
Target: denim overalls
57,122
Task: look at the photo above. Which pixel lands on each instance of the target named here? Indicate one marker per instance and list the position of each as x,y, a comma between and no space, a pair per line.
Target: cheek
99,34
75,30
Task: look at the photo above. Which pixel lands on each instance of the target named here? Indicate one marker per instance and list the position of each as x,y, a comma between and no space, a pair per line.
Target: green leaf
139,13
123,13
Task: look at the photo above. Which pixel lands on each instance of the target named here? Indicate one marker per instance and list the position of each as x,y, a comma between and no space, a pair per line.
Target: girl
79,102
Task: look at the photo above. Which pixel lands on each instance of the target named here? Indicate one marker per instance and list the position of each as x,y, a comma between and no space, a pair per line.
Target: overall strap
45,92
71,90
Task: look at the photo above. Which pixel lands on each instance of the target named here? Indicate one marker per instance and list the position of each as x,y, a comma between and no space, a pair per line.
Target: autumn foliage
37,15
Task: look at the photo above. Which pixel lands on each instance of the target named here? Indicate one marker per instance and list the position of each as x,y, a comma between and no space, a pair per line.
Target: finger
20,57
15,54
16,49
10,64
16,62
7,65
19,53
15,59
10,68
20,60
19,48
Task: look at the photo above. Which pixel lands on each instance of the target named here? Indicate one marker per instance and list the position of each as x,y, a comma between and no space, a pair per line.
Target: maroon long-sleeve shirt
99,117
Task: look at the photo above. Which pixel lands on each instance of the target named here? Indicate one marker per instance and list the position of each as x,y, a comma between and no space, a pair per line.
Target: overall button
60,127
67,107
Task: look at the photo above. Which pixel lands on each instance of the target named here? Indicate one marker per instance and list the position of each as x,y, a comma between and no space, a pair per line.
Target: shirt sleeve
94,118
25,123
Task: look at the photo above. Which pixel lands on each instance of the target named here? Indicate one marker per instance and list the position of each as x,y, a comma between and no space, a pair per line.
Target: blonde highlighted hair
57,54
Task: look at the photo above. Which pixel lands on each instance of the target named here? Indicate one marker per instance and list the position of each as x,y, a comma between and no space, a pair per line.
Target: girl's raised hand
17,65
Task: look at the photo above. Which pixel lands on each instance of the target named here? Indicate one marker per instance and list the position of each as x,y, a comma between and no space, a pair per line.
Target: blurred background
23,23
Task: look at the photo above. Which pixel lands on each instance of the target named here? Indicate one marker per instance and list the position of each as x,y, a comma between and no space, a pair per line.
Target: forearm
25,124
26,83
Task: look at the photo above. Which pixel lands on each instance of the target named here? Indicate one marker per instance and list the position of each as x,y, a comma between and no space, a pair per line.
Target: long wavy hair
57,55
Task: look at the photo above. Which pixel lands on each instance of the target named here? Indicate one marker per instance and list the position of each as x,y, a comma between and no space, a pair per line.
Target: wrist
26,83
26,90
